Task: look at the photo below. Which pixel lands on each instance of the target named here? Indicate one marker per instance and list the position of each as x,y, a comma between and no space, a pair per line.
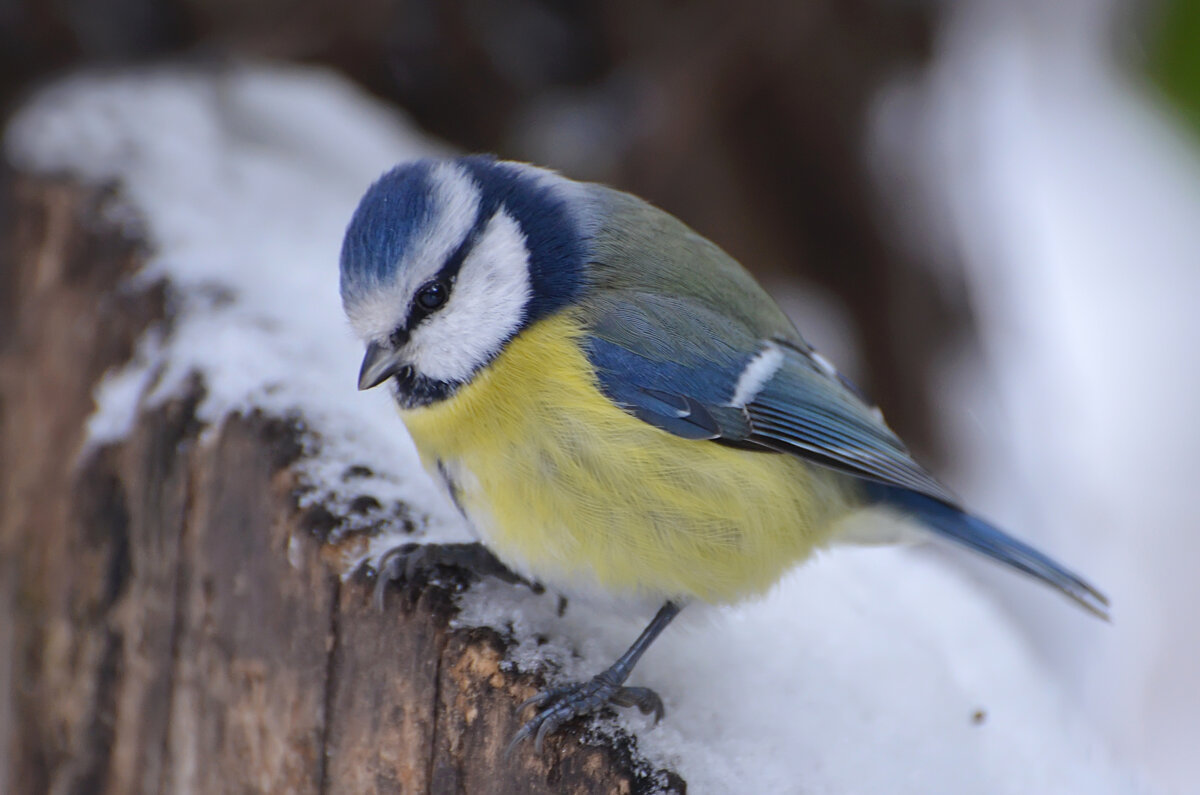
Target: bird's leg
561,704
405,563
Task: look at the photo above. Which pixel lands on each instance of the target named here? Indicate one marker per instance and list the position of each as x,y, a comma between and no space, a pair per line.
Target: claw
549,725
381,583
517,739
645,699
390,567
562,704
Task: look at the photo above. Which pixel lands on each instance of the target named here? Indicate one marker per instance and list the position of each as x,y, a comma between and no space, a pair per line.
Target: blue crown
400,203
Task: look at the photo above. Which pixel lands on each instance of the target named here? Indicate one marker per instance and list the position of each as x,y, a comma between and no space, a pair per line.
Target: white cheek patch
486,305
454,209
758,372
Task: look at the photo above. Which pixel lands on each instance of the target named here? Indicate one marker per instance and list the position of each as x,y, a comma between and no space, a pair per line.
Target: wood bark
170,619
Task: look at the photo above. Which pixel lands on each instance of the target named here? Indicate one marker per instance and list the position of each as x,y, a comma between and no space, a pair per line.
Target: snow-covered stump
172,619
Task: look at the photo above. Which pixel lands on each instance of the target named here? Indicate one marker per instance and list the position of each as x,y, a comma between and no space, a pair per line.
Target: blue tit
615,404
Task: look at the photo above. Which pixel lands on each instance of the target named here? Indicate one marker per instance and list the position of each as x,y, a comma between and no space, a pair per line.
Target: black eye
432,296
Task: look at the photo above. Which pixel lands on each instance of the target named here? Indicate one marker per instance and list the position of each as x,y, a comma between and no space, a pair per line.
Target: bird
617,407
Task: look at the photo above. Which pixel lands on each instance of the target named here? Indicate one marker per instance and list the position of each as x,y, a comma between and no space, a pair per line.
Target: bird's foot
561,704
409,562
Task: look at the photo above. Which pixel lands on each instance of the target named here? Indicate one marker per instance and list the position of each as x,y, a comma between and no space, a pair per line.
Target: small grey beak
379,364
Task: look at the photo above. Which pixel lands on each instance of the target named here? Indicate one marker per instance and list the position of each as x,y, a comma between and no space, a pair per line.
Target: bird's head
446,260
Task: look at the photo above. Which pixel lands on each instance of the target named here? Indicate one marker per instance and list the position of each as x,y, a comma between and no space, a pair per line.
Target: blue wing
676,365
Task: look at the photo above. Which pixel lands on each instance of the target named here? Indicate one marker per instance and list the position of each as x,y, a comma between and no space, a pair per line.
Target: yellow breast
567,487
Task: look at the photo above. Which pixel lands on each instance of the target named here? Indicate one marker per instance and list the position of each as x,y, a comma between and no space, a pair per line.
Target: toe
520,737
549,724
645,699
389,570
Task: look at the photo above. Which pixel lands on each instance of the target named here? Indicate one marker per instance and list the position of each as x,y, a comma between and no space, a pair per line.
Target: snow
861,672
246,179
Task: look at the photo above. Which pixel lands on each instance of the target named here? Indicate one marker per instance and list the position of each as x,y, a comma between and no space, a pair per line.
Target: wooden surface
169,618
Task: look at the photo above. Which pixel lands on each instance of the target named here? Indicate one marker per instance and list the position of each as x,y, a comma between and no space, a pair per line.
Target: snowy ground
881,670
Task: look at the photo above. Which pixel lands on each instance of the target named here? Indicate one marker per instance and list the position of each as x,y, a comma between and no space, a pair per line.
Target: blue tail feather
976,534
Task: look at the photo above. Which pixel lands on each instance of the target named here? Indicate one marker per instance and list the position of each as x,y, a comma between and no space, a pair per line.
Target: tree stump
171,620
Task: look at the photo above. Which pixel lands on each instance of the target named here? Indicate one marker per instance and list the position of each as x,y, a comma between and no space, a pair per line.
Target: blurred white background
1069,191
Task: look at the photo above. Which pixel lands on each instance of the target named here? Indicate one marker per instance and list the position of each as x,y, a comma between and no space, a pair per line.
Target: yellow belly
566,487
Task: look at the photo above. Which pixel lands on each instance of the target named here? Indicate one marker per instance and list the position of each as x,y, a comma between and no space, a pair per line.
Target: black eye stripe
449,270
